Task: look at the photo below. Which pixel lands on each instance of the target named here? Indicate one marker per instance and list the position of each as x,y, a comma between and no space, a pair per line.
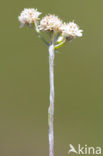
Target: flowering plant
59,33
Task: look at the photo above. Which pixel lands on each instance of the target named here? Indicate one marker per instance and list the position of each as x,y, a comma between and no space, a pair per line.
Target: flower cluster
50,23
53,23
29,16
71,30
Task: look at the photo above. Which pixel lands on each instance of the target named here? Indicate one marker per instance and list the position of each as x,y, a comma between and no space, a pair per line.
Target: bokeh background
24,80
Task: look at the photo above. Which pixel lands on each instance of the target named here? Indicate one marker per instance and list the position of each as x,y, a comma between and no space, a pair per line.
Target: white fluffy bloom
29,16
71,30
50,23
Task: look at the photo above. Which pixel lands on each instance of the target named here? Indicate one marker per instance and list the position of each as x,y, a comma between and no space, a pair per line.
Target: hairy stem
51,107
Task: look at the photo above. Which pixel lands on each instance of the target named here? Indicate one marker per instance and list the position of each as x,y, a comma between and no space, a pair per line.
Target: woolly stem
51,107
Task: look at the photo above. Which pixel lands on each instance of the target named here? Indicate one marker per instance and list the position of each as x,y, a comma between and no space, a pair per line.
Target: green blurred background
24,80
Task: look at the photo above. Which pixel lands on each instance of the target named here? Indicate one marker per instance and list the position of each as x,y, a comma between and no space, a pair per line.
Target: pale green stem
59,45
40,35
51,107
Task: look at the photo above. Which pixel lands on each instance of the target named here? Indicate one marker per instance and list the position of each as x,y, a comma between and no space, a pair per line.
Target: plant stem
40,35
51,107
59,45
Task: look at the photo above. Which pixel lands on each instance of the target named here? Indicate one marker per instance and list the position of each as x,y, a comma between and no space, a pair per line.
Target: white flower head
29,16
50,23
71,30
